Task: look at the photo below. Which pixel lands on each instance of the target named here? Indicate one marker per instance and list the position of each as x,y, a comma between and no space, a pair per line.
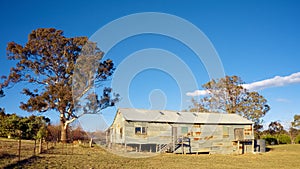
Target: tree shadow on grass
7,156
19,164
268,149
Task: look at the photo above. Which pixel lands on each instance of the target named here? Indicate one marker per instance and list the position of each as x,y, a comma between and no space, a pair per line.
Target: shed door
239,134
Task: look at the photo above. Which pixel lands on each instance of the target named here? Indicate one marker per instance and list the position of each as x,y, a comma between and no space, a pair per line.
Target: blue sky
256,40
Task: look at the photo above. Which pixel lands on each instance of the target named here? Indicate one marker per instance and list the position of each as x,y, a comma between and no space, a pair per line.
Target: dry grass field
281,157
9,151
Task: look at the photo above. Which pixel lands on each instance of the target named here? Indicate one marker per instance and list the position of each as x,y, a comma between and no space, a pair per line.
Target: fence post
40,147
91,142
72,148
34,148
19,150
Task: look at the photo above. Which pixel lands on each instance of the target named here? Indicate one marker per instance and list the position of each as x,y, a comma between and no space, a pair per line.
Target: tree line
14,126
35,127
276,134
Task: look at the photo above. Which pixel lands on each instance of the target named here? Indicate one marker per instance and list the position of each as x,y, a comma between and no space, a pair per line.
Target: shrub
297,139
270,140
284,139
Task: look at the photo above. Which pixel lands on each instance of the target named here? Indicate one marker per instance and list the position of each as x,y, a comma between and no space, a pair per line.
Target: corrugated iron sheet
181,117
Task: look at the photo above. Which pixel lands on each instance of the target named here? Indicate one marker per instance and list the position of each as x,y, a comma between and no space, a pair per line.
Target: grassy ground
282,156
9,151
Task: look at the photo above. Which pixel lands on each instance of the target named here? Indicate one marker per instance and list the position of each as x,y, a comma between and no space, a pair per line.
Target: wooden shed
180,132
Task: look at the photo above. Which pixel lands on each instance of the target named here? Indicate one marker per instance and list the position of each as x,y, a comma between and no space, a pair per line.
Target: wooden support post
253,146
182,145
156,147
106,138
125,147
140,148
182,148
238,144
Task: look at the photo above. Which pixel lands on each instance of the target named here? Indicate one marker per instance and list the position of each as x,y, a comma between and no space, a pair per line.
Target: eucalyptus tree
227,95
47,62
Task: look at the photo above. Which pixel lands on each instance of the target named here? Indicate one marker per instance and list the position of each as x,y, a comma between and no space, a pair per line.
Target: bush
270,140
284,139
297,139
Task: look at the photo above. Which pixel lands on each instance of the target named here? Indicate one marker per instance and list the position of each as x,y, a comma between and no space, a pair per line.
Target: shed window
184,130
140,130
239,134
225,131
121,132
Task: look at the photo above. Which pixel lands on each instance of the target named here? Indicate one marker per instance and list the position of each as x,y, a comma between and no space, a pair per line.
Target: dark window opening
140,130
121,132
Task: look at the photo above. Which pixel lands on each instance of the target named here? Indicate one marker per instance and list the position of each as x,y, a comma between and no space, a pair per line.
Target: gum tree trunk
64,134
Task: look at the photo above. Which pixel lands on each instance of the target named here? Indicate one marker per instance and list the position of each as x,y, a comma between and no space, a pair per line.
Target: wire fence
14,151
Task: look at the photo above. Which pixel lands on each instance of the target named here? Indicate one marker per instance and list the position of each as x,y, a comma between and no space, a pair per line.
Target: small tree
54,132
257,127
296,122
275,129
79,134
294,129
12,125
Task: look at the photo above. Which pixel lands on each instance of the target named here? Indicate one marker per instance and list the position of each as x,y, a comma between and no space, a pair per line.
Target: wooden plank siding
211,138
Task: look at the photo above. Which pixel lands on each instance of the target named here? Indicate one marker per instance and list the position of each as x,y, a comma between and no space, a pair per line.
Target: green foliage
297,139
276,134
257,127
293,132
296,122
15,126
284,139
275,128
270,140
41,133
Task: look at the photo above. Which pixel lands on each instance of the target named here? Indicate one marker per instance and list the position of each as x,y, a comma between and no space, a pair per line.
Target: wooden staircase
180,142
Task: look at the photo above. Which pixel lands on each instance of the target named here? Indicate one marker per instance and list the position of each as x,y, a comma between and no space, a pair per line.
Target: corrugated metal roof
131,114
